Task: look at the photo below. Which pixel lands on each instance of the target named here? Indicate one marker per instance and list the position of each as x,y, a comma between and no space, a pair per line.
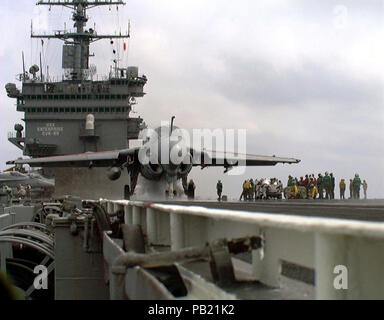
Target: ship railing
13,135
344,257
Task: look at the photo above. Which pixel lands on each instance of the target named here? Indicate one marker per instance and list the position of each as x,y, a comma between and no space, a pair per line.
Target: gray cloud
261,85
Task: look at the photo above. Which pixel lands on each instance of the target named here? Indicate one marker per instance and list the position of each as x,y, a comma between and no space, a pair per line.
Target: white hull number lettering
50,130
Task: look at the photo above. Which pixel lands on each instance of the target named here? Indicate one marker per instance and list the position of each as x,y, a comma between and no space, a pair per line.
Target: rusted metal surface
246,244
218,254
161,259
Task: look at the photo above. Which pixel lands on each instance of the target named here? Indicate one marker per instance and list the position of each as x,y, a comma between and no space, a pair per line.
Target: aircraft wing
119,157
89,159
227,159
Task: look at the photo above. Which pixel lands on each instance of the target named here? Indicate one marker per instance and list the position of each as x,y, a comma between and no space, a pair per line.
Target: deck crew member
21,193
28,191
256,189
320,186
342,186
356,187
264,189
327,182
191,190
281,188
247,190
244,193
290,181
8,191
294,191
332,186
219,188
251,190
312,189
365,187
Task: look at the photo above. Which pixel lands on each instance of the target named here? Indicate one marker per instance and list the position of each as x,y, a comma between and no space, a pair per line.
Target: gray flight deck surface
365,210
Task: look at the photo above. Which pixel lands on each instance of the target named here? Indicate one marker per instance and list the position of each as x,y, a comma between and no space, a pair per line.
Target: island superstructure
77,114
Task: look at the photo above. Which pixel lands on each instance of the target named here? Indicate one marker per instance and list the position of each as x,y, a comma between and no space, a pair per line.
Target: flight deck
365,210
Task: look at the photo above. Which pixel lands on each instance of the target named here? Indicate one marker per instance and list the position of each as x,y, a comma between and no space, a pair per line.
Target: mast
76,44
23,78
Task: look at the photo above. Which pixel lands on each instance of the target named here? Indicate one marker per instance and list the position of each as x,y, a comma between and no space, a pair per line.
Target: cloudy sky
305,78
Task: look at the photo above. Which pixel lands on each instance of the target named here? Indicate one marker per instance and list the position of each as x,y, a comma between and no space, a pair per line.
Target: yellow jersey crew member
365,187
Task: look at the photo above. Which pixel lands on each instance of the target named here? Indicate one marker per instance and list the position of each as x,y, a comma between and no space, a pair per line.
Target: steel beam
128,216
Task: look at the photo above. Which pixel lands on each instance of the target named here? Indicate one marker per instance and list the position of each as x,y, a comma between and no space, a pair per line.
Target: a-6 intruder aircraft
161,156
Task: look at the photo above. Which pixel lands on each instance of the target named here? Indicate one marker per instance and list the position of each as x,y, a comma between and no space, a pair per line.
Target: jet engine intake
114,173
152,171
186,166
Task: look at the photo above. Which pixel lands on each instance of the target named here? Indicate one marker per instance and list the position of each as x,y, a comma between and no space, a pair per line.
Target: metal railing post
136,215
177,232
128,214
116,286
330,252
151,226
110,207
116,207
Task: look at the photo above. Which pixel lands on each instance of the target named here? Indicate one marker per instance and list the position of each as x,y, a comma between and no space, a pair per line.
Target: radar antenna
76,48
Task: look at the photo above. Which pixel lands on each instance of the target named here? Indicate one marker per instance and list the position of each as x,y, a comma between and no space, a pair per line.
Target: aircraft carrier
161,250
